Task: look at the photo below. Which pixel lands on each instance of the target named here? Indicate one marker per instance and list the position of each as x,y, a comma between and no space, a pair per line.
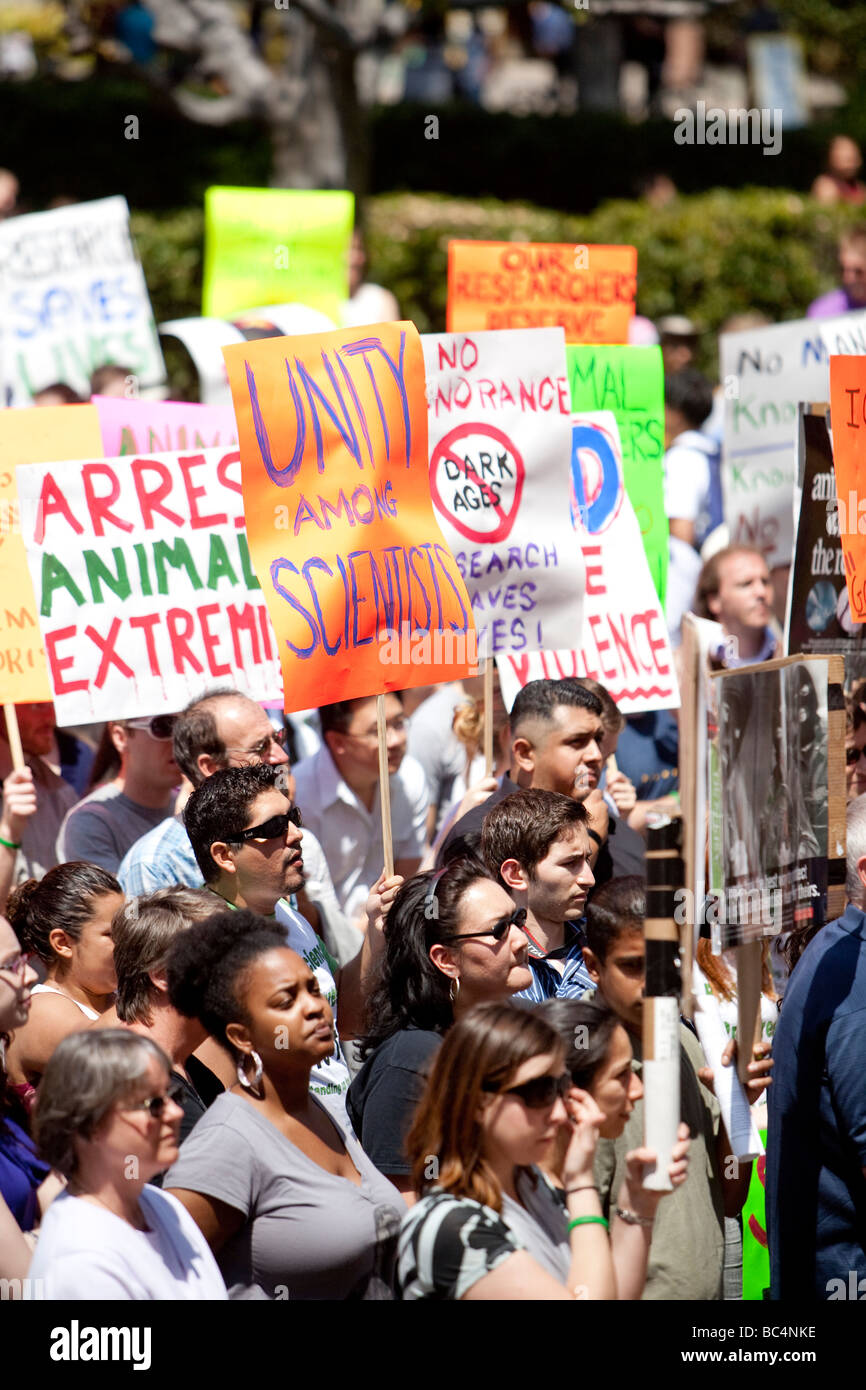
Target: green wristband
10,844
587,1221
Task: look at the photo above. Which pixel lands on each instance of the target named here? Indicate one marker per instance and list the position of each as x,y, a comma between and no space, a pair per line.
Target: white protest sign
625,643
765,373
500,444
73,298
143,583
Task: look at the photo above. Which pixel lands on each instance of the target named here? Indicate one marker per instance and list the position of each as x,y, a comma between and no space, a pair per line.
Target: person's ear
222,855
238,1035
523,753
334,742
593,965
120,737
208,764
60,943
159,979
861,870
714,604
513,875
445,960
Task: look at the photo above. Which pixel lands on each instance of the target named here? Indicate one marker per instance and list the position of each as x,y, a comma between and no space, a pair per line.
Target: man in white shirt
690,464
338,791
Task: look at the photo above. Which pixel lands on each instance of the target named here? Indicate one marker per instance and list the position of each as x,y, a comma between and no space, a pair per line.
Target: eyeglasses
393,726
497,931
18,964
272,829
540,1093
853,755
160,727
277,736
155,1105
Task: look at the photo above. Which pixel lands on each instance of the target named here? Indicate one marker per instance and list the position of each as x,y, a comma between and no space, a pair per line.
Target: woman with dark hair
488,1225
65,919
288,1201
453,939
107,1119
22,1172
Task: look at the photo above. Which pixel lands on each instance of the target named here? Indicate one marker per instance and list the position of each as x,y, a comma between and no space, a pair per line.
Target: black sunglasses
271,829
497,931
540,1093
853,755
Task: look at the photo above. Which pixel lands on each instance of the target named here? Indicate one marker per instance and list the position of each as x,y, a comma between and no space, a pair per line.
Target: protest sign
30,436
630,382
624,641
848,413
276,245
364,594
589,291
73,298
777,798
500,445
143,583
819,617
161,426
204,340
765,373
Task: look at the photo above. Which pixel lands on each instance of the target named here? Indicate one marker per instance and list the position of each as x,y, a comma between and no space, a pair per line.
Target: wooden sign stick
748,1004
14,736
489,668
384,786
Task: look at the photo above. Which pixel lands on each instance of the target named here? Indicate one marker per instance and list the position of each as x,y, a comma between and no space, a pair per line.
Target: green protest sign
276,246
630,382
756,1256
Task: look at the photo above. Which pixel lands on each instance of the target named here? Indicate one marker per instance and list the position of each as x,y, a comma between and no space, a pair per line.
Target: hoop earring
255,1086
454,988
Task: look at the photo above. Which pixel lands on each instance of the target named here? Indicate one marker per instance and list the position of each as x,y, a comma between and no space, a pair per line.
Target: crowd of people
277,1072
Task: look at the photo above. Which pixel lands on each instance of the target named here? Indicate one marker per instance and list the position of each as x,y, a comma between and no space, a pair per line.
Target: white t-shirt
329,1080
86,1252
687,476
350,835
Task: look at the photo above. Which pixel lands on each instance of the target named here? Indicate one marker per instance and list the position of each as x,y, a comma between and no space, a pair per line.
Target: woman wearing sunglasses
106,1118
135,780
453,939
488,1224
65,919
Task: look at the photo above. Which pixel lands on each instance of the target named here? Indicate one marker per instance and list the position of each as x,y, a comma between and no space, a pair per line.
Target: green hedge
709,255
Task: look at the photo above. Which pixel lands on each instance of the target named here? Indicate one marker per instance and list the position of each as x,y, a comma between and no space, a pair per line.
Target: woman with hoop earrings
289,1203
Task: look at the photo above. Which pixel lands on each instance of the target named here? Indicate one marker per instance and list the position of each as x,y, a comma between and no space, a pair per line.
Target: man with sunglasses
247,839
107,823
227,729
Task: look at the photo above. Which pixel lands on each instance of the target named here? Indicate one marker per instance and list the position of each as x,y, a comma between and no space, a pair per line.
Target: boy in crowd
688,1242
537,844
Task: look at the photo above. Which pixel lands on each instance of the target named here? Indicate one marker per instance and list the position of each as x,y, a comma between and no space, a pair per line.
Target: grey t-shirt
309,1234
102,827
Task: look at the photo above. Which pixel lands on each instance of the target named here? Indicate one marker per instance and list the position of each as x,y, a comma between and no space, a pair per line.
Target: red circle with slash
444,450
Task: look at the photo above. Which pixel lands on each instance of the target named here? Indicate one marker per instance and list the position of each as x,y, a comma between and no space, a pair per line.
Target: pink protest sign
162,427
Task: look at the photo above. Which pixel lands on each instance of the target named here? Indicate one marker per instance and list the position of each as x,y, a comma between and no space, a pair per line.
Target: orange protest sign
848,416
589,291
31,436
363,592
